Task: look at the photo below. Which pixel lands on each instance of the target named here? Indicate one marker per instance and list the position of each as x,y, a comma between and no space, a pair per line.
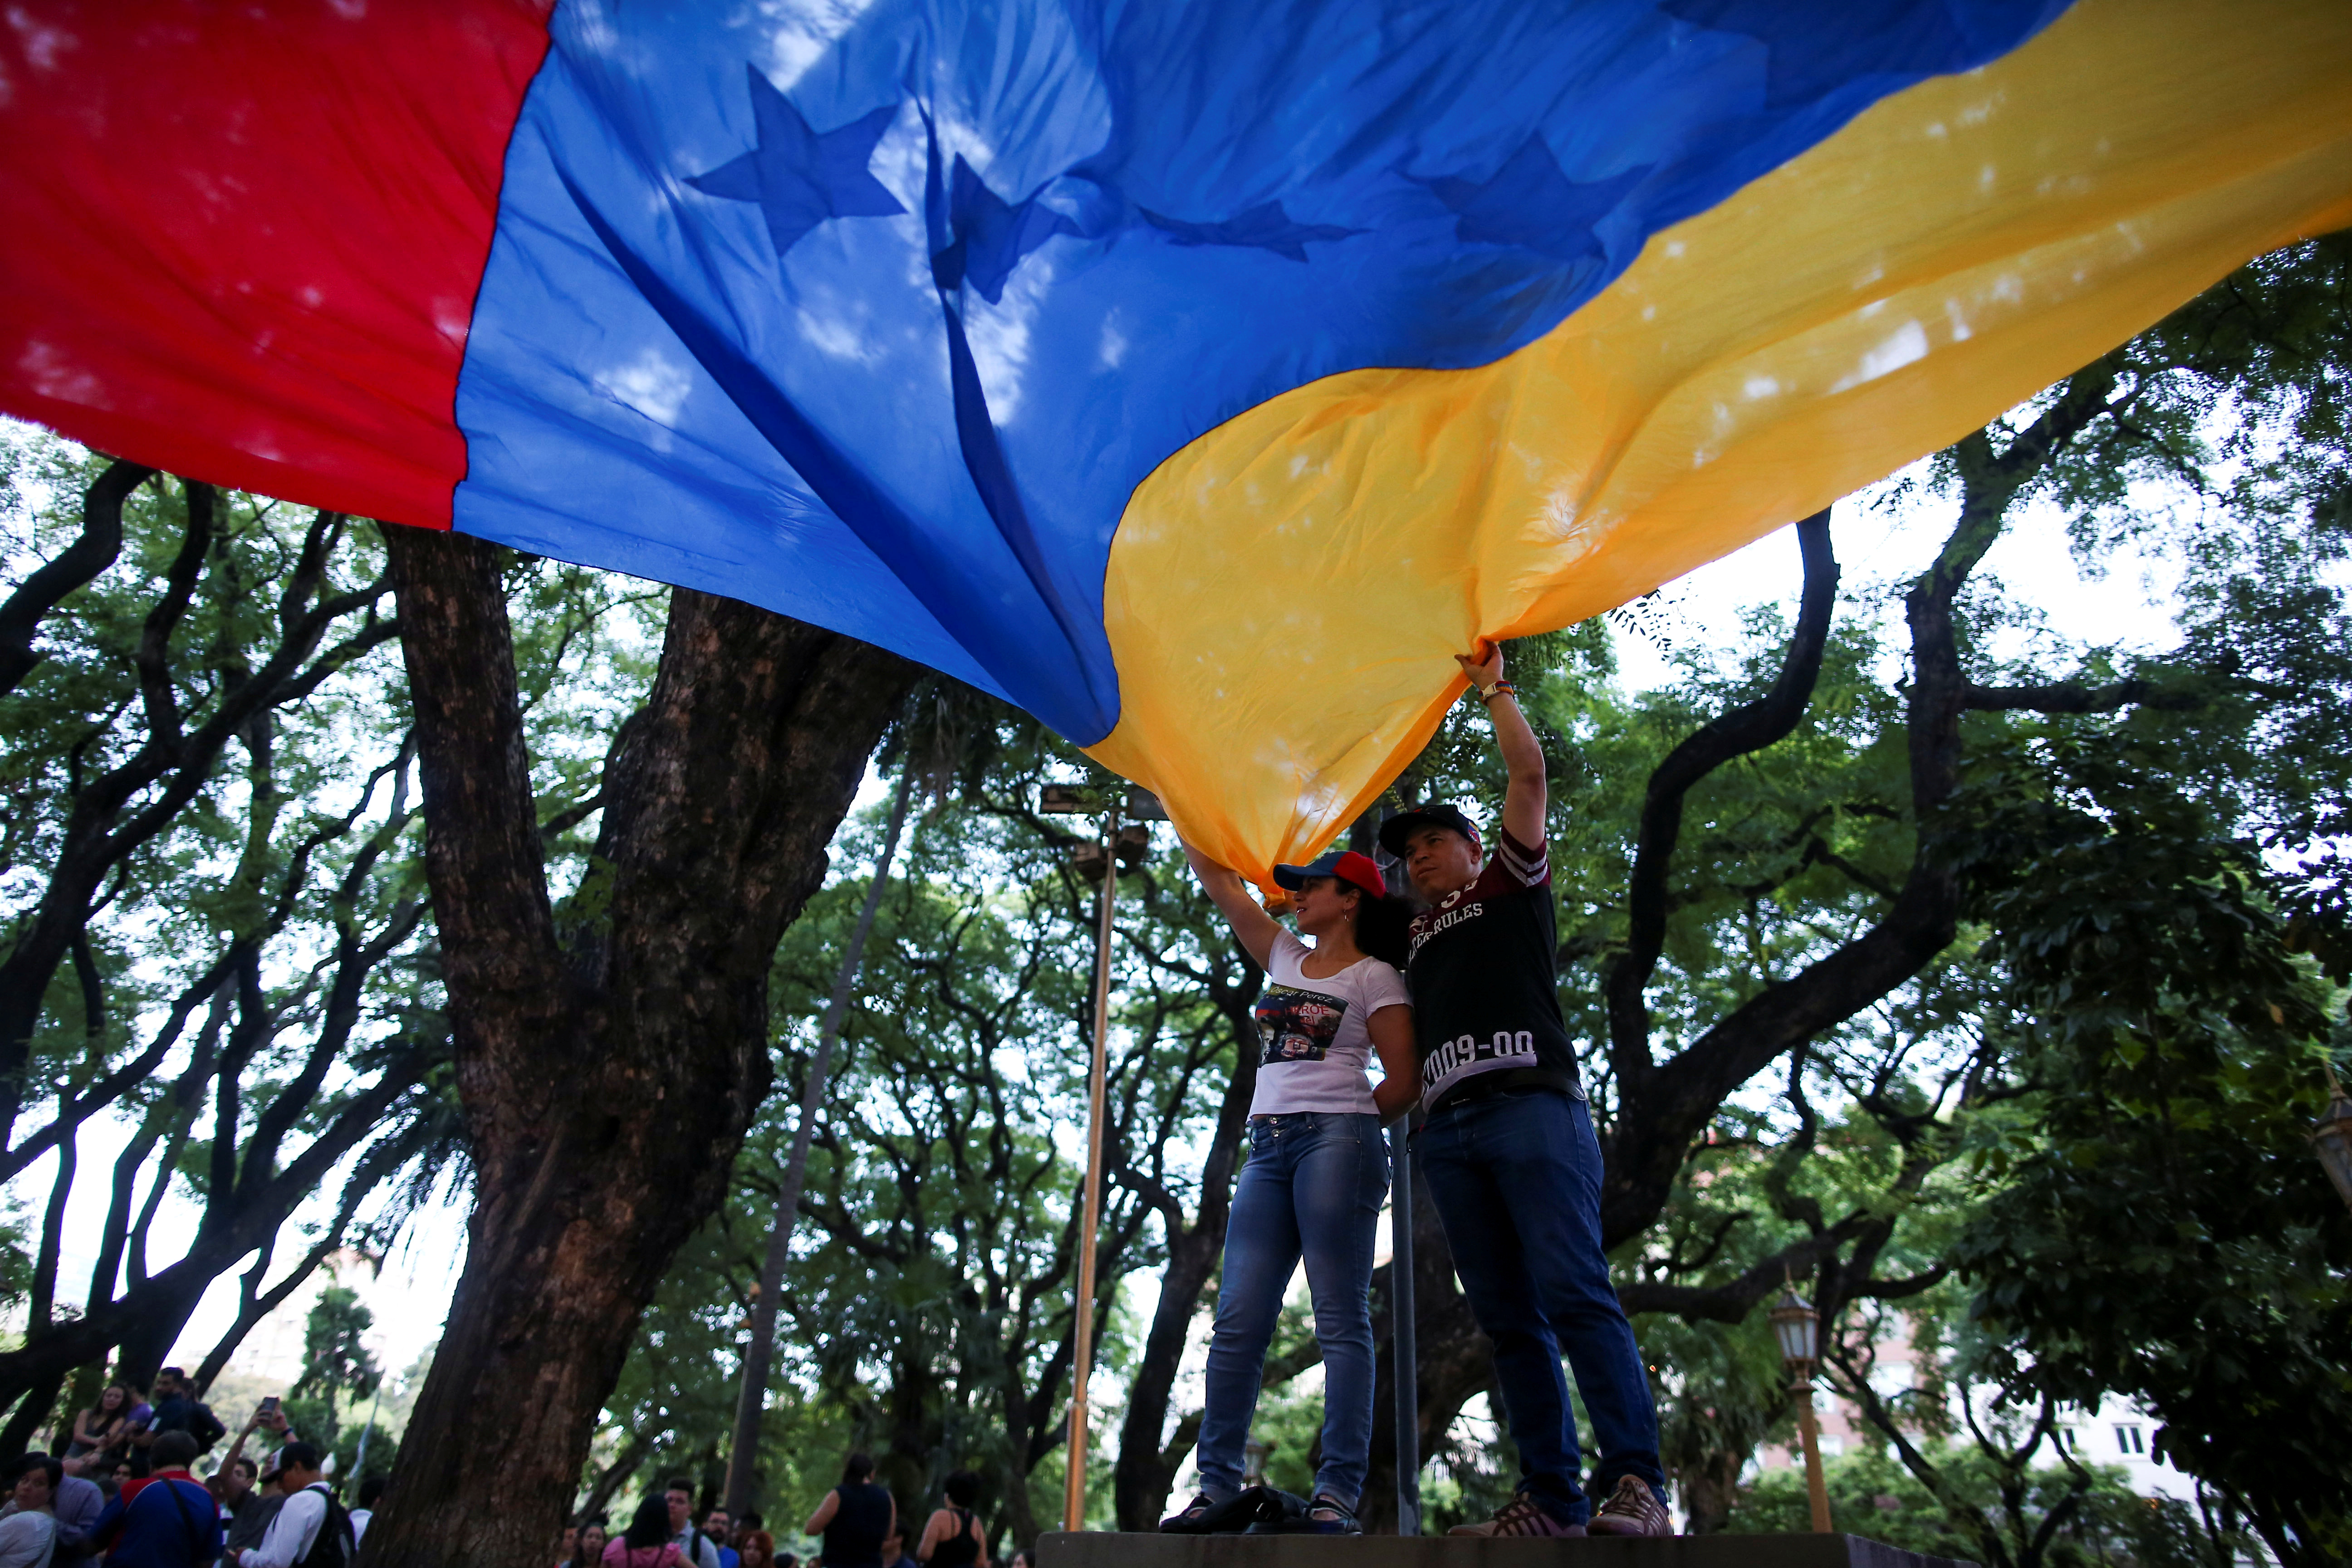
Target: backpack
333,1546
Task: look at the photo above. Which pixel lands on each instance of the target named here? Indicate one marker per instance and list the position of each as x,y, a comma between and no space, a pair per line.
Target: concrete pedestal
1107,1549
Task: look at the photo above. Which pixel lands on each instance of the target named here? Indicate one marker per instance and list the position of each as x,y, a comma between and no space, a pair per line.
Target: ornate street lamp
1798,1327
2333,1134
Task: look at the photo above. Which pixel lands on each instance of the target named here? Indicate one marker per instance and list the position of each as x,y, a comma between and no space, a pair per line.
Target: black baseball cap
1394,831
1358,870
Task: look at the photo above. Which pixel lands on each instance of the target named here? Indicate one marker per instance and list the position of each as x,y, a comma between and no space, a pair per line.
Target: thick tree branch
1735,1299
1749,728
92,553
2073,696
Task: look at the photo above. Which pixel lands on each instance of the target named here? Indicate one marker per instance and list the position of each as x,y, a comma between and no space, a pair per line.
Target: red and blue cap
1359,871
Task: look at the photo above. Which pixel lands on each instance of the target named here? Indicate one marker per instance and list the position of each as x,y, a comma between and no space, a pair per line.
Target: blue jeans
1313,1186
1516,1177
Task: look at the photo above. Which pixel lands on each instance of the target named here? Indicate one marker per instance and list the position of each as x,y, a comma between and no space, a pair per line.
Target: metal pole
358,1460
1402,1338
1074,1491
1816,1488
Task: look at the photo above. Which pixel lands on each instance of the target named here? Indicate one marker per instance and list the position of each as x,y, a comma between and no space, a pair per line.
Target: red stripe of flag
242,240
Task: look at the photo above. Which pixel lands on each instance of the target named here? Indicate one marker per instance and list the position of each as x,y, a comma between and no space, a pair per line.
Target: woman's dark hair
856,1469
650,1526
1383,927
962,1488
31,1462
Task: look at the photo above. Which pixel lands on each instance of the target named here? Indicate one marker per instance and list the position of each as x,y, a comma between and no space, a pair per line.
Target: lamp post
1404,1333
1798,1327
2332,1136
1119,850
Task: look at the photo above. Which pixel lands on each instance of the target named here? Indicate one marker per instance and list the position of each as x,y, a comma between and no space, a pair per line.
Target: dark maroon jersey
1486,983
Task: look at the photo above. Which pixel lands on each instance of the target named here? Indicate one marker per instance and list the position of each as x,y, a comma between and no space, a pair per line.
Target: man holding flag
1509,1151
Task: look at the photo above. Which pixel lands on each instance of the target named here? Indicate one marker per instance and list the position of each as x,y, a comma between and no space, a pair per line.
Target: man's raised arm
1523,798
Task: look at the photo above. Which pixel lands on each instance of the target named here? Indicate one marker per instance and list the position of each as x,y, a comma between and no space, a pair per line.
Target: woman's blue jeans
1516,1177
1313,1187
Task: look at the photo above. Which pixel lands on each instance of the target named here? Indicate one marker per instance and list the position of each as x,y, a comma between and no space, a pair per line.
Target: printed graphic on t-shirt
1296,1025
1465,1054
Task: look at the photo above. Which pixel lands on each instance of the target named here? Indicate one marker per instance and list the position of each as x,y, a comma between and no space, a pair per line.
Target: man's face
718,1524
236,1481
681,1509
1439,860
166,1385
571,1539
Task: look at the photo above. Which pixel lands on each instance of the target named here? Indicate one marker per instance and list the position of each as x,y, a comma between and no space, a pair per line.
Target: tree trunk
1709,1491
1145,1470
606,1085
1145,1467
743,1458
33,1413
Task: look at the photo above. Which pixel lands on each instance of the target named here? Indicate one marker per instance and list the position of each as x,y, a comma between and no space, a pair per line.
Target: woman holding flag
1316,1173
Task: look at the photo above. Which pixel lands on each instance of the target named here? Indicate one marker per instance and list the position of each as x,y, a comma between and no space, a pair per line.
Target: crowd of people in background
123,1492
858,1522
122,1489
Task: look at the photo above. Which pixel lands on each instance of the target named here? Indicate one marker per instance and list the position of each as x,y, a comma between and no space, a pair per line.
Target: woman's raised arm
1253,927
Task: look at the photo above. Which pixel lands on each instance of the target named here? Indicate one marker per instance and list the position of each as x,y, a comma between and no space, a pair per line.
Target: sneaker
1520,1516
1632,1510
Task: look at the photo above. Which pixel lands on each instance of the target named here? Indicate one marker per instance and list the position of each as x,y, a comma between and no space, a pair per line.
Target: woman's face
754,1555
112,1401
1325,905
32,1490
592,1539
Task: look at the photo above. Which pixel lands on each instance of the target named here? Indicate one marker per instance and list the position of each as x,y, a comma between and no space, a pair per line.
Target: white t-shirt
1314,1042
27,1540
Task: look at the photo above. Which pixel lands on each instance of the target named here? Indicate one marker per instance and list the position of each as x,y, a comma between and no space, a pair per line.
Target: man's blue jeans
1313,1186
1516,1177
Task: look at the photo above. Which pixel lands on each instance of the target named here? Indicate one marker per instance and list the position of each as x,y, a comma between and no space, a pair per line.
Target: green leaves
2169,1234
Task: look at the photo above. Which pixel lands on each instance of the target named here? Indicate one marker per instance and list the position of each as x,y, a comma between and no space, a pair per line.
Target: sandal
1326,1515
1191,1519
1205,1515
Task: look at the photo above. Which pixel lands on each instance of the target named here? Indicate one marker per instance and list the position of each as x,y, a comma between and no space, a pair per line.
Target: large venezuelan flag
1198,375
